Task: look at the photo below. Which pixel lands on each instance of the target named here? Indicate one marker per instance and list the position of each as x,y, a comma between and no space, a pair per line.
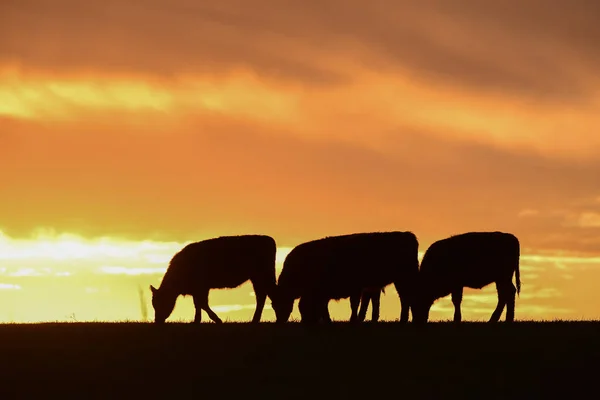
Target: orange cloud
480,45
374,111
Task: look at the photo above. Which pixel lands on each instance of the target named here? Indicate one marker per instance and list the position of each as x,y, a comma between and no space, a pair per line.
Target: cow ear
153,289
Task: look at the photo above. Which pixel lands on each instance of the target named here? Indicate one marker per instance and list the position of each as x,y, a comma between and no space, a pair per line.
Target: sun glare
111,274
93,279
66,246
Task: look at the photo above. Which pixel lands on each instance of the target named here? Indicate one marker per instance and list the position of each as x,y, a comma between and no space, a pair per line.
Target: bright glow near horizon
98,279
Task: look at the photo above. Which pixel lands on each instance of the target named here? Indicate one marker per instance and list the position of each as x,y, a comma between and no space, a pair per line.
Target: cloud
119,270
238,175
589,220
36,256
157,38
527,212
35,96
529,48
9,286
572,224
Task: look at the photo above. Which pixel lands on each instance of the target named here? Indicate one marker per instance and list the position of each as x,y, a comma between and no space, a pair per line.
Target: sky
130,128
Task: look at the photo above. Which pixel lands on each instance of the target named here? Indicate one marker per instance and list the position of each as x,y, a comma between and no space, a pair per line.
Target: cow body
218,263
473,260
339,267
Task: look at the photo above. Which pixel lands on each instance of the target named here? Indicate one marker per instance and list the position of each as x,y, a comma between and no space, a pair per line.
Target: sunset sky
130,128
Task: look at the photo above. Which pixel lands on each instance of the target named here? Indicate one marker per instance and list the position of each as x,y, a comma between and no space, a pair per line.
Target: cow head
282,305
422,300
163,303
420,311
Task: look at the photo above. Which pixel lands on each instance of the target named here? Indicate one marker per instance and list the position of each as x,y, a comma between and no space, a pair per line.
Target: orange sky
169,122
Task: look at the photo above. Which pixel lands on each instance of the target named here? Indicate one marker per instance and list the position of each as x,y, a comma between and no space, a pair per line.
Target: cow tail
517,271
518,279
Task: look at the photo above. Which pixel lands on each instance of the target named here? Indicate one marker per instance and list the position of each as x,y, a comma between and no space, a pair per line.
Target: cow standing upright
344,266
218,263
473,260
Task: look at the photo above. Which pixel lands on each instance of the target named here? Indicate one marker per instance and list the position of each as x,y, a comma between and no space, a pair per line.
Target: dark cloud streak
533,47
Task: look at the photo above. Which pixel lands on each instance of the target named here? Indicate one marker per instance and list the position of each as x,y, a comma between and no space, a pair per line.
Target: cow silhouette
217,263
339,267
473,260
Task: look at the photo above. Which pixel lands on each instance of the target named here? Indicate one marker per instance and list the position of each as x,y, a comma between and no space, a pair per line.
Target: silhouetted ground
238,360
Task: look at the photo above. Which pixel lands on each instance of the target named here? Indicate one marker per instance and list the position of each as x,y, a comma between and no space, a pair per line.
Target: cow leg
375,299
354,303
303,308
261,296
323,308
198,315
456,300
404,302
364,305
501,303
314,310
308,310
201,303
511,292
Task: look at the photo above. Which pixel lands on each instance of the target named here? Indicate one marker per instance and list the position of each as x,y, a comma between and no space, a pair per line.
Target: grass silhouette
341,360
143,304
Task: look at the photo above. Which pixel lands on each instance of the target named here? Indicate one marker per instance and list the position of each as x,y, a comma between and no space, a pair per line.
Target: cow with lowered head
473,260
344,266
218,263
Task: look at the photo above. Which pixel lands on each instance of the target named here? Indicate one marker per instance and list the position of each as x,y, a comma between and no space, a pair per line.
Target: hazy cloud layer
547,50
210,179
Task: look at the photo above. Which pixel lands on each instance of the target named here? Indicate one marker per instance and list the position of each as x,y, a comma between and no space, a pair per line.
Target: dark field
238,360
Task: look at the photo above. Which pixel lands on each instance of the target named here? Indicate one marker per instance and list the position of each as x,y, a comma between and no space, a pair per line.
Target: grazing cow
218,263
343,266
473,260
